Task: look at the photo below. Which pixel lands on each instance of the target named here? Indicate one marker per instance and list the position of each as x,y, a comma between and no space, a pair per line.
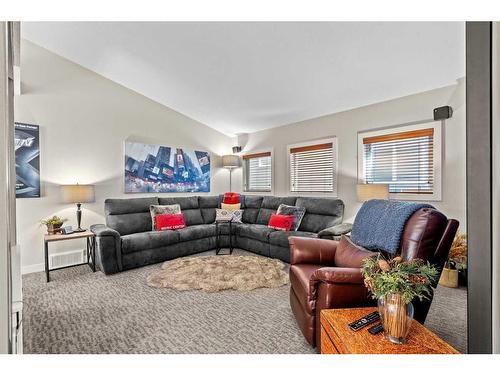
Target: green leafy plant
54,220
410,279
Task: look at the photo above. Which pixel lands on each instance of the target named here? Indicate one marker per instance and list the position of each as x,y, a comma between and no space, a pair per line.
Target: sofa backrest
320,213
128,216
133,215
189,206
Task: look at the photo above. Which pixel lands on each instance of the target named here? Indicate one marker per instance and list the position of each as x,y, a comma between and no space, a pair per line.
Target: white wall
346,125
84,121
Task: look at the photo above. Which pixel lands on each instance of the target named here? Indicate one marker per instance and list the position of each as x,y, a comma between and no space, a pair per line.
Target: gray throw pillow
297,213
157,209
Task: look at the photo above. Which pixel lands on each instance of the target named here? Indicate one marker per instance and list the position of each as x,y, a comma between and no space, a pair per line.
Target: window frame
330,139
245,172
437,157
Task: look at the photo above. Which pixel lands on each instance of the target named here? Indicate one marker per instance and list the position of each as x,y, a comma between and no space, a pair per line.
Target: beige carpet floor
84,312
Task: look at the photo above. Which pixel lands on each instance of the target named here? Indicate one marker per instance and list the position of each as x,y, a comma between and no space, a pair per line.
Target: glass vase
396,317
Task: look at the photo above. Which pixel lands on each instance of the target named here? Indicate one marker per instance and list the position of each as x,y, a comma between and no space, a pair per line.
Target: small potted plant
455,268
395,283
53,224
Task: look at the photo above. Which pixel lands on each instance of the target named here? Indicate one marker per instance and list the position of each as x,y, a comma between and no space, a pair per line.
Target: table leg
230,237
217,248
92,252
46,250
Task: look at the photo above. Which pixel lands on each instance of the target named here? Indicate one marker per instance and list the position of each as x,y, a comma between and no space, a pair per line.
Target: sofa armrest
108,248
305,250
101,230
336,231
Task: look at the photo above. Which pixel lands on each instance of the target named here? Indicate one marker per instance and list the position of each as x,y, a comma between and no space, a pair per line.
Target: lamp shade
372,191
231,161
77,193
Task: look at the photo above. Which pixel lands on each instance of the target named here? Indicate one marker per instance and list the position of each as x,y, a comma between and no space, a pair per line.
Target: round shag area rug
220,272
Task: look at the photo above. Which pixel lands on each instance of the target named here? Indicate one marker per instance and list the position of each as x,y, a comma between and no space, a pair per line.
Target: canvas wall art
162,169
27,151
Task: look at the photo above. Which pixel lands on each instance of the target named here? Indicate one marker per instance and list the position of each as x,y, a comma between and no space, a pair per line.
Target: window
258,172
406,158
313,167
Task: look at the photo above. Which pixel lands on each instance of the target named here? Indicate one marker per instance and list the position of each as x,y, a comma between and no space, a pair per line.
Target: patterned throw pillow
228,215
223,215
237,216
230,207
297,212
157,209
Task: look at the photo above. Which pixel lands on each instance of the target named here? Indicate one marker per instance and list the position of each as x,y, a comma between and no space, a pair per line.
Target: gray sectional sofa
127,241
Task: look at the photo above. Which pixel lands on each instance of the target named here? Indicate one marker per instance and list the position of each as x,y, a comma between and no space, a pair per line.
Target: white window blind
403,160
258,171
313,168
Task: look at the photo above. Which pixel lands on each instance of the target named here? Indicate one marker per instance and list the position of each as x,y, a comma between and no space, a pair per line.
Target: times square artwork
27,150
163,169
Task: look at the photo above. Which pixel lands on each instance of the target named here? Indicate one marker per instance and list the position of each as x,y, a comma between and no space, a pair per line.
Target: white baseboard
33,268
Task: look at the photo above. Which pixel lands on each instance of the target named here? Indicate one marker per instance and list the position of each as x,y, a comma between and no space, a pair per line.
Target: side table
337,338
87,235
218,233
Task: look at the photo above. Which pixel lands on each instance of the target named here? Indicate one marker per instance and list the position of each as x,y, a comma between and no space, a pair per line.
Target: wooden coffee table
338,338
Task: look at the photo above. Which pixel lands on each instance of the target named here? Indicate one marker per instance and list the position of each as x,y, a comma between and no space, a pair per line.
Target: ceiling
245,77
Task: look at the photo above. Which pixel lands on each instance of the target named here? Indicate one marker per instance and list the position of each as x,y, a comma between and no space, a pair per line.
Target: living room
251,188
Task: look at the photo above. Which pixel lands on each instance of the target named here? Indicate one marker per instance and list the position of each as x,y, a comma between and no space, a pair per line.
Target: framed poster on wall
27,150
162,169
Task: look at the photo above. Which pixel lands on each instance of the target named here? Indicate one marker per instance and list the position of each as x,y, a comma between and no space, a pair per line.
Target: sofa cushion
280,238
192,217
251,205
128,216
128,206
130,223
186,203
321,213
196,232
148,240
255,231
208,204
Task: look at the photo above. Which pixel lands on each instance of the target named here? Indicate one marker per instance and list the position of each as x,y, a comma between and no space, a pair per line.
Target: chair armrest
338,275
334,275
335,231
108,248
305,250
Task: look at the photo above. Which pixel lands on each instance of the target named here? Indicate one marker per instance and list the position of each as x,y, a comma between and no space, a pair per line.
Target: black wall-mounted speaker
236,149
442,113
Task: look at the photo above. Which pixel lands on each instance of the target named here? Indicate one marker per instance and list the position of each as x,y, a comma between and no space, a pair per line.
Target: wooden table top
62,237
420,339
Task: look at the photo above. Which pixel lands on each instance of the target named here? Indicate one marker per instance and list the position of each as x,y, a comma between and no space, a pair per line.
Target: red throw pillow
231,198
169,221
281,222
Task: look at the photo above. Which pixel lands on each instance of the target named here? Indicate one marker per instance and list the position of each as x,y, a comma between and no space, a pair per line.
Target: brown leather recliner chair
326,274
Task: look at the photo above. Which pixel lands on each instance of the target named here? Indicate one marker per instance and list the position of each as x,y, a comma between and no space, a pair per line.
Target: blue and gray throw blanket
379,223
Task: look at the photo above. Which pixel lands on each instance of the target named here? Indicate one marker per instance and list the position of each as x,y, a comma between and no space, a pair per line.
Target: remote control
376,329
364,321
